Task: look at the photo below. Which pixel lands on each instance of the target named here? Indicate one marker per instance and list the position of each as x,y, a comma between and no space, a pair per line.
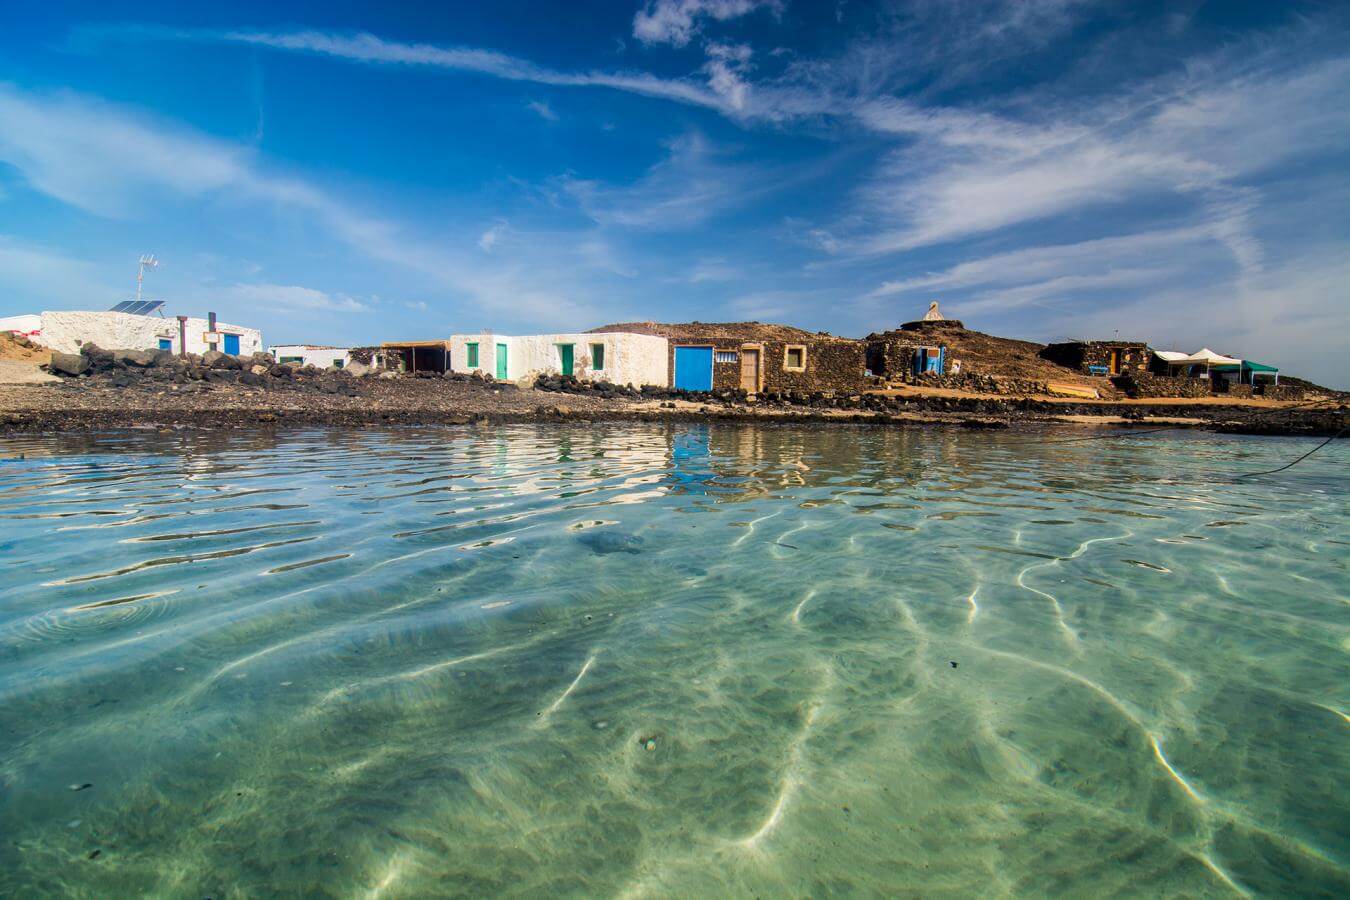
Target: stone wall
832,364
983,384
1146,384
1241,391
1282,392
894,359
1133,356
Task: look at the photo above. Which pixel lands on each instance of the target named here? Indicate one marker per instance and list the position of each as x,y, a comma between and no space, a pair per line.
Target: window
291,359
725,356
794,358
338,363
165,344
473,355
597,357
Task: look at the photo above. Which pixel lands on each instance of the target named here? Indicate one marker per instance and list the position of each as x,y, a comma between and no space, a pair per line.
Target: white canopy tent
1192,361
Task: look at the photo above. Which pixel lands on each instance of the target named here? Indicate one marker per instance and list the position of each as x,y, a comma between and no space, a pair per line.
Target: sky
346,172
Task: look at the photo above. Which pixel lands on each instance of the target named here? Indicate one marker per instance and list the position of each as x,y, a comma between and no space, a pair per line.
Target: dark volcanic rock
69,364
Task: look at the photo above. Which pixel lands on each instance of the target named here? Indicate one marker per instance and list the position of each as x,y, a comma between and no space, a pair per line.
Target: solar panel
138,307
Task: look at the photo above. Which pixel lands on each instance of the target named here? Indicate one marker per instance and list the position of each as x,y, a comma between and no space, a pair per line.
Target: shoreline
99,412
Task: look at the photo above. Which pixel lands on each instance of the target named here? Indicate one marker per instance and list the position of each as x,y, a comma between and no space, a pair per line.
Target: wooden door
750,370
501,362
1115,362
566,352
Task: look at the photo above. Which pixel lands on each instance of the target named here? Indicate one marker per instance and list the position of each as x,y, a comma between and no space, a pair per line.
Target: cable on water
1252,419
1297,461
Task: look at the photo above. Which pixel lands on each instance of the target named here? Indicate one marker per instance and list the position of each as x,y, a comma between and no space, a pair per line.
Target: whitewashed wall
319,357
66,331
29,325
487,353
635,359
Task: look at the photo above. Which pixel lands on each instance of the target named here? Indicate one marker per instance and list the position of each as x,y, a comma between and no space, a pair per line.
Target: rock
69,364
358,369
163,358
252,378
212,358
141,359
258,369
388,375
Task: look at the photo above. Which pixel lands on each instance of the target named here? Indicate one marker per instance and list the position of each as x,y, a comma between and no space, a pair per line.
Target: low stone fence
1282,392
983,384
1146,384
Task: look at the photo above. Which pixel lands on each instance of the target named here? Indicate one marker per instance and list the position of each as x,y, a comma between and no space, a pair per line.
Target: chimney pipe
182,335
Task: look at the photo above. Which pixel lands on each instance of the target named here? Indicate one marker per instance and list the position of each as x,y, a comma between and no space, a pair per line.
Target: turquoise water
690,661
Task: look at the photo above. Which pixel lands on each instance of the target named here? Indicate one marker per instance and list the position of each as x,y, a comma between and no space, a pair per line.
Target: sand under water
628,660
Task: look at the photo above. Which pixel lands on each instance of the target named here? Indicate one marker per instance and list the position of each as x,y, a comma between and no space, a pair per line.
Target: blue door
232,344
693,368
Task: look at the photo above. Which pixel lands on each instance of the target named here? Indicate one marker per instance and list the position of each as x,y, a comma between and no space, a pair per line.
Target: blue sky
349,173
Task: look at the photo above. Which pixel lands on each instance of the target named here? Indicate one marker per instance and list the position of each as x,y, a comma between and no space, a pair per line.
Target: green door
501,361
567,351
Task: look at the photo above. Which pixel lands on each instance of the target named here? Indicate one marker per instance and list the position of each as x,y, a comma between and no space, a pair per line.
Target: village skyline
1045,170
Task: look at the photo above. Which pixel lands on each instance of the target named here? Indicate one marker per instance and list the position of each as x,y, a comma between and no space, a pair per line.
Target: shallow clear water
694,661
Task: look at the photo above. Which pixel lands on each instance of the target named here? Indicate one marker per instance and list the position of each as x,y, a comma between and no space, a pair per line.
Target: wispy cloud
542,110
488,240
33,278
368,48
290,297
691,185
678,21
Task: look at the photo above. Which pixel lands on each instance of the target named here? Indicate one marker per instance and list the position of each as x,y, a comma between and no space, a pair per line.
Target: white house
621,358
320,357
67,331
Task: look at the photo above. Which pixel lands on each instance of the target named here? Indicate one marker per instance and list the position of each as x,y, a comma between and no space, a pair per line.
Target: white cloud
1198,139
289,298
33,278
368,48
542,109
677,21
93,156
687,188
1031,264
488,240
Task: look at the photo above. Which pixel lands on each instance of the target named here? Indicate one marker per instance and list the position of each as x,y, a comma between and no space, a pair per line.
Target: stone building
755,357
913,350
1100,357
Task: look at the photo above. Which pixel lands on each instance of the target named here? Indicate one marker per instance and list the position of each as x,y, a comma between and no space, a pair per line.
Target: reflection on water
625,660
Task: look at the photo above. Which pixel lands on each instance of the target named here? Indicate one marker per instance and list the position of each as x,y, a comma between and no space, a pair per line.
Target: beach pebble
954,664
649,745
599,724
80,787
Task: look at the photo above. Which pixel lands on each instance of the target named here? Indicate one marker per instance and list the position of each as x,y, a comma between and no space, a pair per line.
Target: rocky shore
101,389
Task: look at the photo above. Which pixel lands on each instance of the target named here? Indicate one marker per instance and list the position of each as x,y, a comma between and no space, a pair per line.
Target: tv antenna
148,261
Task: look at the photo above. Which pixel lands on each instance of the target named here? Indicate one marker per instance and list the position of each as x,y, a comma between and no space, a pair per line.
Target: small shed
417,356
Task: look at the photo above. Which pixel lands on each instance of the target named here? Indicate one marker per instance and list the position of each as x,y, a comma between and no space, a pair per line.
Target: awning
1259,367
